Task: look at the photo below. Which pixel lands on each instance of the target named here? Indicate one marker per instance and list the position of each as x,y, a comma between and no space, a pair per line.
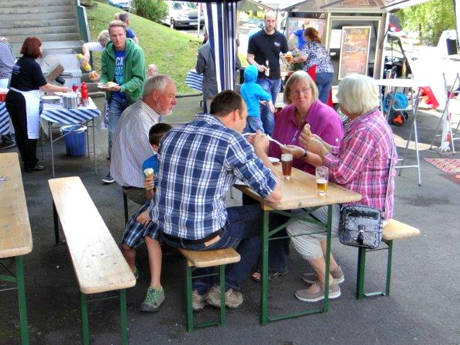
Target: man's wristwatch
305,154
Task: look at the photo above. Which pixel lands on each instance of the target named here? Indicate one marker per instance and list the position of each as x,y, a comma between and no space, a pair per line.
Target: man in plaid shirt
199,163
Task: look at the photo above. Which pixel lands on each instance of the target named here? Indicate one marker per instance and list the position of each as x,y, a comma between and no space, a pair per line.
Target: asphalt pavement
423,308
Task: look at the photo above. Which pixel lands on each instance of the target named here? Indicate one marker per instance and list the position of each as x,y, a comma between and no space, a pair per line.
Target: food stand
353,31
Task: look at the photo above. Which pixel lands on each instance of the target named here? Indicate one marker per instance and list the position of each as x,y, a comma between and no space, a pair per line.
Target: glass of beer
322,177
286,164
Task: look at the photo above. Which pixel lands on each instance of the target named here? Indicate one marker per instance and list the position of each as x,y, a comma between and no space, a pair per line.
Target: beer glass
322,176
286,164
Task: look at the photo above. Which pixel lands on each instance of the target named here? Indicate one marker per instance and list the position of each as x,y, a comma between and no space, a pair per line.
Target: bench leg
222,293
188,296
361,273
125,207
56,224
84,319
22,301
389,263
123,317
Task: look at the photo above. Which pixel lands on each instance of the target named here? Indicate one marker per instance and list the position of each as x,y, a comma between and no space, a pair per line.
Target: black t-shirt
27,75
268,47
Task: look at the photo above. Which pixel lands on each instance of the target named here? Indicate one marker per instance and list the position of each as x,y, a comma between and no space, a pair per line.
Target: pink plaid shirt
360,163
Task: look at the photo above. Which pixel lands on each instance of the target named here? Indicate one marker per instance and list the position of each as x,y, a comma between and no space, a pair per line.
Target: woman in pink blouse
303,106
359,163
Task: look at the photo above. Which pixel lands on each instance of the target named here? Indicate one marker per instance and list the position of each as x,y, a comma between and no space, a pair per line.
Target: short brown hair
157,132
225,102
31,47
312,34
116,23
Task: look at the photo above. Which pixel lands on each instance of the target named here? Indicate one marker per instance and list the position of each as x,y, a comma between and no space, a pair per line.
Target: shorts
134,233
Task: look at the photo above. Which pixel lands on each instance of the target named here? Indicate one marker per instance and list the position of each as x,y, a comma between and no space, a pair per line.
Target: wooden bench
15,234
393,230
98,263
201,259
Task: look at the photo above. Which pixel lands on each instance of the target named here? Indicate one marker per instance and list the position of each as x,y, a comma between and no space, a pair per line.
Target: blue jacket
252,92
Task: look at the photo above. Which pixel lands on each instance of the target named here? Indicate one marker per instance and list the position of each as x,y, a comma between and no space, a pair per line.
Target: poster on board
354,50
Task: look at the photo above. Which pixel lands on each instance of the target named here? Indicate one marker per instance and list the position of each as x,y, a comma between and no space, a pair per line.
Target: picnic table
15,234
298,192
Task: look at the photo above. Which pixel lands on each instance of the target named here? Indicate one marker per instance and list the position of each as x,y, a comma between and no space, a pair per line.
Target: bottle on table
84,94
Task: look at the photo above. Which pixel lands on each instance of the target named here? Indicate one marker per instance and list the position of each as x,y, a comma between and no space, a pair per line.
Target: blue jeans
242,232
253,123
115,106
324,82
272,86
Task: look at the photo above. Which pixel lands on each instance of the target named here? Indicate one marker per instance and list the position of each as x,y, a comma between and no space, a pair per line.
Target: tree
430,19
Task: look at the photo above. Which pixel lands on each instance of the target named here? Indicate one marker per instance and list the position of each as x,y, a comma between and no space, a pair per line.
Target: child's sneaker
153,300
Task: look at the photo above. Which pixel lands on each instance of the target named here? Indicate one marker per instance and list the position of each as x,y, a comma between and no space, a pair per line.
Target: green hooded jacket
134,70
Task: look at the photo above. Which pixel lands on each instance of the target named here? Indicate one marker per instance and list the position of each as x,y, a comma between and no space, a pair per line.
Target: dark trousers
16,106
241,232
278,257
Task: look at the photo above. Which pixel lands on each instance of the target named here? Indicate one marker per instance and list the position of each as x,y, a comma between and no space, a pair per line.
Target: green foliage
174,52
151,9
430,19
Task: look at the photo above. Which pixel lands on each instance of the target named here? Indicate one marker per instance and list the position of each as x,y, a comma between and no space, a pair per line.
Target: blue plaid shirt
199,163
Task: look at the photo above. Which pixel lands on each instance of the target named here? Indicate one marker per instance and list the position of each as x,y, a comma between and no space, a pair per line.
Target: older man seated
131,142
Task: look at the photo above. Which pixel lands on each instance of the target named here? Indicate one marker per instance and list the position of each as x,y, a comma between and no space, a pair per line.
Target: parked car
123,4
182,14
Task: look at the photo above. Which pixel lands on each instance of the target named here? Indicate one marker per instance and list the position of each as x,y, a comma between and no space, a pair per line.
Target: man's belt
198,241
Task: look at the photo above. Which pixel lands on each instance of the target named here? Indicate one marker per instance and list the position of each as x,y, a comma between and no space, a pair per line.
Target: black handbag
362,226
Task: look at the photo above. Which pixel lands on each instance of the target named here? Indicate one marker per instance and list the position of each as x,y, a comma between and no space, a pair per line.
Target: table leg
419,173
52,150
327,259
264,270
123,317
94,147
56,224
22,301
84,319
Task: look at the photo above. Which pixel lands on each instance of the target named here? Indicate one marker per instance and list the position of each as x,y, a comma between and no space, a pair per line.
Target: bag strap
390,165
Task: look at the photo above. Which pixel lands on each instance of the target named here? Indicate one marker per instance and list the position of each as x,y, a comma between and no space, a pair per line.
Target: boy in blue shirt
252,94
140,226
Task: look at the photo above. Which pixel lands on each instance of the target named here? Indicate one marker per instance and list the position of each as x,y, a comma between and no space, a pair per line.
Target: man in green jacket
123,72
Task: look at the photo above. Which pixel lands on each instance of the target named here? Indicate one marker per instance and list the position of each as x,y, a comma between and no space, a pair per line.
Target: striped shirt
7,60
360,163
131,146
199,162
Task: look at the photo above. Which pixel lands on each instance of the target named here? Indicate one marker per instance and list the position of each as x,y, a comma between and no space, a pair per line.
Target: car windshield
183,5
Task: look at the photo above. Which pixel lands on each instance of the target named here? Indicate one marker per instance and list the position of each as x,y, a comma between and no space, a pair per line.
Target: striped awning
221,25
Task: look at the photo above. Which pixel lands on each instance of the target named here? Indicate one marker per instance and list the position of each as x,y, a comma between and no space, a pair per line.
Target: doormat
449,166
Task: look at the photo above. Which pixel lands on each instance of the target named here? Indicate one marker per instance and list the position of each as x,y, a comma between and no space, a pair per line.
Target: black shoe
7,145
37,167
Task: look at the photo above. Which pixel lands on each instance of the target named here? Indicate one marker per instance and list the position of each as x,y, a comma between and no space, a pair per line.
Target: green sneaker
153,300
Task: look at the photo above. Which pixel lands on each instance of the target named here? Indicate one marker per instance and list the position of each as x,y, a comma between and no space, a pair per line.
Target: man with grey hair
131,145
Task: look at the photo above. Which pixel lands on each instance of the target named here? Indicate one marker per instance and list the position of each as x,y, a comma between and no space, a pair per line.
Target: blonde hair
116,23
103,38
296,77
358,94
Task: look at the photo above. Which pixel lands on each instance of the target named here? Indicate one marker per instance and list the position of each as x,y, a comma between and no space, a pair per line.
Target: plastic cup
322,178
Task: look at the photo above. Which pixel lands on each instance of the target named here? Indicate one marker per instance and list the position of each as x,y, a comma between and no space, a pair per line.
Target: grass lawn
172,51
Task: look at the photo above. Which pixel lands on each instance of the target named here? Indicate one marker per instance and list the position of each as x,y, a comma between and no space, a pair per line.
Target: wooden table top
300,192
15,234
